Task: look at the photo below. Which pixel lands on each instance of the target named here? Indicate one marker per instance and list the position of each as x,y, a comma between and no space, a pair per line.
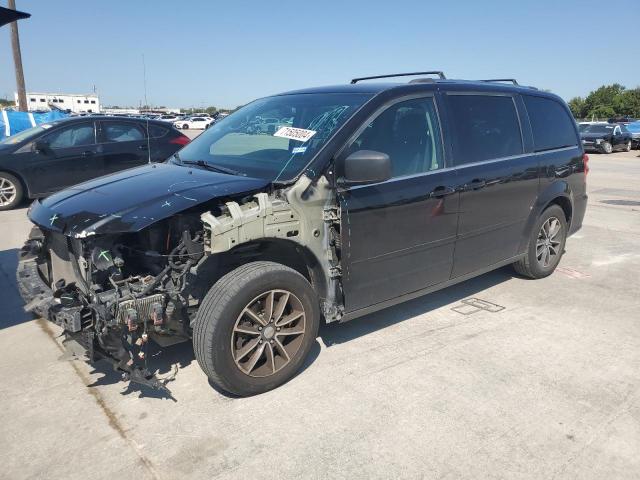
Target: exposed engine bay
113,293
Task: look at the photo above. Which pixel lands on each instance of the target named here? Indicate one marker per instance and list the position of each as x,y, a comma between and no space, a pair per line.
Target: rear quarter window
551,124
156,131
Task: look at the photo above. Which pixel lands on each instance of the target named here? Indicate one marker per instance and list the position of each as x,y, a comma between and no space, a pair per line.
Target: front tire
185,126
546,245
255,327
627,147
11,191
606,147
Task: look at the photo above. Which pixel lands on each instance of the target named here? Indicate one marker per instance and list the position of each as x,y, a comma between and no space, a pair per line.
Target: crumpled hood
133,199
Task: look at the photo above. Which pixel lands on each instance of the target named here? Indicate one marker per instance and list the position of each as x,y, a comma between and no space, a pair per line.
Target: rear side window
551,125
121,132
156,131
485,127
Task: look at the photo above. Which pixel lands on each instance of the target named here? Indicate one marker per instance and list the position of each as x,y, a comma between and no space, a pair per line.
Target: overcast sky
201,53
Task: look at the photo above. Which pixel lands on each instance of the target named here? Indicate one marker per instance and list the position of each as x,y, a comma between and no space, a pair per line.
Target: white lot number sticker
300,134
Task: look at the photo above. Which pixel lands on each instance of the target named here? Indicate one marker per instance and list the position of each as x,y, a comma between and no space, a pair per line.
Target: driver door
398,236
71,156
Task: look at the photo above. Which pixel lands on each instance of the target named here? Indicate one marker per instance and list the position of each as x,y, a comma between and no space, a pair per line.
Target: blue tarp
12,122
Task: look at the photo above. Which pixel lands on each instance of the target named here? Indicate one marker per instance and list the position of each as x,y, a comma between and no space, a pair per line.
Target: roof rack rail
434,72
512,80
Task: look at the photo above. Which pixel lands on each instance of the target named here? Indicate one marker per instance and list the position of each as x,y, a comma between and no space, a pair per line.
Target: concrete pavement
548,387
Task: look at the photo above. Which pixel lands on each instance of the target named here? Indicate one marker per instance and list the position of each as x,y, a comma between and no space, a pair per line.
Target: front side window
550,123
121,132
74,136
409,133
485,127
274,137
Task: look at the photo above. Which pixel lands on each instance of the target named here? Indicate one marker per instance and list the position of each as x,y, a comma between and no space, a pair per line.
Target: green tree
628,103
602,102
577,107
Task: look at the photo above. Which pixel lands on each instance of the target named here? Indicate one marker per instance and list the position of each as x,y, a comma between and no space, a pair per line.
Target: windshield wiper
209,166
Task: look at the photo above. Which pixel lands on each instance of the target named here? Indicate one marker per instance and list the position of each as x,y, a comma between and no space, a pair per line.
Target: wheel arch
25,186
558,193
282,251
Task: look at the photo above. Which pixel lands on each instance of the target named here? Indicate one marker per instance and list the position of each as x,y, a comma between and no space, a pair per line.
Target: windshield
274,137
24,135
598,129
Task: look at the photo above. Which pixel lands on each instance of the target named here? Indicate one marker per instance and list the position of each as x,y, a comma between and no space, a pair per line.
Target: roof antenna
146,103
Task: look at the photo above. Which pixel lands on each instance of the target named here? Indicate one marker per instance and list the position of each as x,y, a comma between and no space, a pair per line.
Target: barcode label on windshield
300,134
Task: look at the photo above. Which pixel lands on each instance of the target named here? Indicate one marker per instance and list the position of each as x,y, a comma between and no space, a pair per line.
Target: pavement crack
112,418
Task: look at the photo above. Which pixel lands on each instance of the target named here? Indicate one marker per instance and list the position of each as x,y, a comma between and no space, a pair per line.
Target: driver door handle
475,184
87,153
442,191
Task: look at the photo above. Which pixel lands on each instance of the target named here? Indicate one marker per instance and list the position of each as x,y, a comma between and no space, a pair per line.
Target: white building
63,101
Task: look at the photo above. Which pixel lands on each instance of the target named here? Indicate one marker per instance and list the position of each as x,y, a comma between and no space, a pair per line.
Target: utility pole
17,60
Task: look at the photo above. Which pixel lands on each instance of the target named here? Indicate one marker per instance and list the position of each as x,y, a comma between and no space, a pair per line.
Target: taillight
585,161
181,140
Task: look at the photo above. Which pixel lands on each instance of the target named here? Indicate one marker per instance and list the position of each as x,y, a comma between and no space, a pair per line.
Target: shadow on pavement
12,305
165,362
335,333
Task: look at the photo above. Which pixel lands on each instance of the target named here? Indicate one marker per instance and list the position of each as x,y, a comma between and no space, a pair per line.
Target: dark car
634,130
606,137
369,195
44,159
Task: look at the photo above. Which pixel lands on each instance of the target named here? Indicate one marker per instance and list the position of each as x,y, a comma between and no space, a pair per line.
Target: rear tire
546,245
255,327
11,192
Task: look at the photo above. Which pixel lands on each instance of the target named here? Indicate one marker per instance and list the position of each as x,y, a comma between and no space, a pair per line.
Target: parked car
193,123
623,119
170,118
244,242
42,160
634,130
582,126
606,138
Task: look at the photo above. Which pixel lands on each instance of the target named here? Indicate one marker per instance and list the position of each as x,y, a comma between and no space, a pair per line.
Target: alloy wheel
268,333
548,243
8,192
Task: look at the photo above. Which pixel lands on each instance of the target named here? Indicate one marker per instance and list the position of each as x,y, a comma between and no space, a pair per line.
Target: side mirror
41,146
366,166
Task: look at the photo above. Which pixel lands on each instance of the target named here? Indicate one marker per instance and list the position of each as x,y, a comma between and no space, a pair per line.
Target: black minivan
362,196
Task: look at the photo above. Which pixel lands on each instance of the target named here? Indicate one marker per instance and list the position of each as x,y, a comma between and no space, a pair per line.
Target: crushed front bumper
78,323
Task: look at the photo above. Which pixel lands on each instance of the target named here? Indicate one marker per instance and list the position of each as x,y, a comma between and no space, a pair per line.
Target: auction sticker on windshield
300,134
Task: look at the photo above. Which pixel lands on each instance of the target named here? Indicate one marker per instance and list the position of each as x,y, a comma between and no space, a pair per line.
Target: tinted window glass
551,125
485,127
156,131
121,132
75,136
409,133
